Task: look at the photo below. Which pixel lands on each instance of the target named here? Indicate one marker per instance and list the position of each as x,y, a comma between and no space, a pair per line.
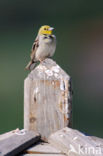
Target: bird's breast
46,49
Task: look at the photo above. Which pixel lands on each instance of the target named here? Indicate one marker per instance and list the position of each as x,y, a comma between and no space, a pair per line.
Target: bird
43,47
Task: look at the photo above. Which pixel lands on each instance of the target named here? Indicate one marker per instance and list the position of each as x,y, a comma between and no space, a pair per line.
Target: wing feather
34,48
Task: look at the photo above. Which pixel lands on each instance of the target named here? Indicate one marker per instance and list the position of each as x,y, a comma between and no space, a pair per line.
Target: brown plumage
32,55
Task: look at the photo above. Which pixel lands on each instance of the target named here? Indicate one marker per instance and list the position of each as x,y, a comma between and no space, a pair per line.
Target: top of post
48,69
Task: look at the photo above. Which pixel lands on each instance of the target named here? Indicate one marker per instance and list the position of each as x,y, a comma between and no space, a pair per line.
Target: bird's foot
40,60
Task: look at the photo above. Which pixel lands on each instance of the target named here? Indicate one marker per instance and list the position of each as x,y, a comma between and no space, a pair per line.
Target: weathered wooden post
47,99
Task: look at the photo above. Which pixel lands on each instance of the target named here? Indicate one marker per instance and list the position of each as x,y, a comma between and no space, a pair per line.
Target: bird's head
45,30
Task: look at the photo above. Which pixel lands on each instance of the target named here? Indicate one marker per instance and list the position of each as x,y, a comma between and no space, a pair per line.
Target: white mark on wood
62,85
61,135
41,68
75,138
53,83
36,90
21,132
66,108
49,73
67,111
56,75
55,69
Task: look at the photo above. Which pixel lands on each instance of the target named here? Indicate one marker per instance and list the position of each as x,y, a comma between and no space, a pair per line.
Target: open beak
51,28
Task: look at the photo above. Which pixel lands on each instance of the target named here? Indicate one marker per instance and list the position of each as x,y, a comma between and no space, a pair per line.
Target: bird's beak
51,28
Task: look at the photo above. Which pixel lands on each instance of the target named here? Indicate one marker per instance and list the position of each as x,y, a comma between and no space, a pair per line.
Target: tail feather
30,65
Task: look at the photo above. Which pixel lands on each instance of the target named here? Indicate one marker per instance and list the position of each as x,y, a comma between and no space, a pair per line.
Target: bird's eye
44,28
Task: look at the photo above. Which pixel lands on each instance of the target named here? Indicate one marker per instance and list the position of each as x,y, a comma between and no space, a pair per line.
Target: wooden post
74,143
47,99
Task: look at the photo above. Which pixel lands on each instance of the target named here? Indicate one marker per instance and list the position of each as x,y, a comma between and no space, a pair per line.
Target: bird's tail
30,65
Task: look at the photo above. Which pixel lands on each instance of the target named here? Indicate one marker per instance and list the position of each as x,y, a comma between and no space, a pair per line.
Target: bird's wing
34,48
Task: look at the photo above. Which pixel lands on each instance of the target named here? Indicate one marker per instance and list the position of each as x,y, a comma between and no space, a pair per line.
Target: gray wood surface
74,143
97,141
18,142
43,148
47,99
43,155
6,135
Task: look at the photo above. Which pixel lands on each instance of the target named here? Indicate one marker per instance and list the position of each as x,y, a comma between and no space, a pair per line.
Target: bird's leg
40,60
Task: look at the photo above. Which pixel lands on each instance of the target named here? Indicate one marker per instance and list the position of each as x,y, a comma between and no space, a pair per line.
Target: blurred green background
79,30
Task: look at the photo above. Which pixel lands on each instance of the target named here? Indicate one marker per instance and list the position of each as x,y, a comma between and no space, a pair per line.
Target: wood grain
43,148
43,155
18,142
74,143
47,99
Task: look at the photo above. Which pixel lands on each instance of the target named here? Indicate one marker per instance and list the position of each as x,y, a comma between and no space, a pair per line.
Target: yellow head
45,30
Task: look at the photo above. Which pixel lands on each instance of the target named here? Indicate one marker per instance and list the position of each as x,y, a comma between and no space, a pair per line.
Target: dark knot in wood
32,119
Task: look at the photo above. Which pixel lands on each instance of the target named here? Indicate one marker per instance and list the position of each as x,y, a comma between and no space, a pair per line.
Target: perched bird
43,47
